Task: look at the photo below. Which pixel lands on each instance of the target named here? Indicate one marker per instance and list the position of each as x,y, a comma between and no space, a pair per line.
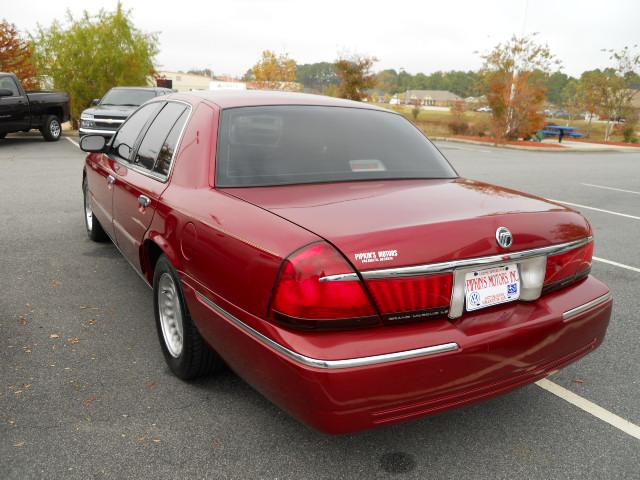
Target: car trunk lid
390,224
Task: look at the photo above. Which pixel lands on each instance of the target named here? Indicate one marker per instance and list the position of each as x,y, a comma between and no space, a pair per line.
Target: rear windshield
283,145
132,98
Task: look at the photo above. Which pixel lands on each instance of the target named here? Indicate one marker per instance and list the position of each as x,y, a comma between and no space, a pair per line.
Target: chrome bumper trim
473,262
569,314
328,364
89,131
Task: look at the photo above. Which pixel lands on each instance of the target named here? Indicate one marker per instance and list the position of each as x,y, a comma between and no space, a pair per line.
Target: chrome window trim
328,364
147,172
569,314
445,267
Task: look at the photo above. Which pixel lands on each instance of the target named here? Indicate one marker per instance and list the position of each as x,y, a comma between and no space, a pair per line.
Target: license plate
491,286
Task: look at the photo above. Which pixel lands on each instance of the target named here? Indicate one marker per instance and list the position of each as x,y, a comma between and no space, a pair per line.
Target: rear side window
169,146
125,139
282,145
157,133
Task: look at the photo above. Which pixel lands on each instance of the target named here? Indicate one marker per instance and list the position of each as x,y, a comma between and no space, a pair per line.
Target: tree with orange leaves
16,55
514,76
355,76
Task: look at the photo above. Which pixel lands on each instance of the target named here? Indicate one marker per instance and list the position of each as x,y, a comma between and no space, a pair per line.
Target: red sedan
331,256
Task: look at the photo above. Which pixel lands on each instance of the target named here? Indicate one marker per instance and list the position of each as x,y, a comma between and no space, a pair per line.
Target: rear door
102,168
141,181
14,110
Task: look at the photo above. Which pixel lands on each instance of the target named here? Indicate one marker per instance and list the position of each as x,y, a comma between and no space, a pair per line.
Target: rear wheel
184,349
94,229
51,129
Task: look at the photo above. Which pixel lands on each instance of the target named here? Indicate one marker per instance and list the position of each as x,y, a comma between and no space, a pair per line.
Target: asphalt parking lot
85,391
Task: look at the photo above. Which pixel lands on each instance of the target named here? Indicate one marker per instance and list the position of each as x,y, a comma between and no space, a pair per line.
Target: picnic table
561,131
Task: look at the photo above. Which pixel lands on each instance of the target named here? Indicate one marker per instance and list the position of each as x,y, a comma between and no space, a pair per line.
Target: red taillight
412,298
304,299
567,267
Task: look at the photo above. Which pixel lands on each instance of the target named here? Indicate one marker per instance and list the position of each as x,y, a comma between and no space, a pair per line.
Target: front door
100,179
141,181
14,110
110,168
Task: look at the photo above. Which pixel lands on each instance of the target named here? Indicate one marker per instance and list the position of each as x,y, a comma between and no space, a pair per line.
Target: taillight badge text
376,256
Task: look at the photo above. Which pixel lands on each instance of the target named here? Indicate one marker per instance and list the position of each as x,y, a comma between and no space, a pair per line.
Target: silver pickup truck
108,113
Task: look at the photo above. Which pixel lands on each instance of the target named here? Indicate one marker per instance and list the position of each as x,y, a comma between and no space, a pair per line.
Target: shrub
415,111
458,127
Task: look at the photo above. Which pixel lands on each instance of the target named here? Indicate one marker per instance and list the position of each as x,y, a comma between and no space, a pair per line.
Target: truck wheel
51,130
185,351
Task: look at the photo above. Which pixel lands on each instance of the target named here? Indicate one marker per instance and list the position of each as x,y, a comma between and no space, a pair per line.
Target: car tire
94,229
2,135
51,129
185,351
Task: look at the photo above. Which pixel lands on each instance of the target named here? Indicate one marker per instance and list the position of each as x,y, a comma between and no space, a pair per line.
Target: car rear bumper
486,353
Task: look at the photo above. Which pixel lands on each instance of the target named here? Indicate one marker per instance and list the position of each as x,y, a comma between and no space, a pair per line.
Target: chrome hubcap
170,314
88,212
54,128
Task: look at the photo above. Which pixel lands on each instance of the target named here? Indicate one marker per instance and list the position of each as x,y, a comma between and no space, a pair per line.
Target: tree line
89,54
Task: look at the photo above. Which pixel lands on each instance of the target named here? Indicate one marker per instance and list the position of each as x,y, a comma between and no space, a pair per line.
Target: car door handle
144,201
111,179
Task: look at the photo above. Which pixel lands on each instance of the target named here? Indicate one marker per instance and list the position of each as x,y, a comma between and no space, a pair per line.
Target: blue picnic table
562,131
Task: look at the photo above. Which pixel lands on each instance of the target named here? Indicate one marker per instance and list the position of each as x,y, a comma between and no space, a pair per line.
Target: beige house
185,82
435,98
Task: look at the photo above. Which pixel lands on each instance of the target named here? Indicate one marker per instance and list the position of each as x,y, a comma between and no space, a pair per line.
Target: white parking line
73,141
616,264
610,188
597,411
626,215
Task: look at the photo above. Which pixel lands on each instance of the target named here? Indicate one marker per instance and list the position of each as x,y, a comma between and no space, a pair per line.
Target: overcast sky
419,36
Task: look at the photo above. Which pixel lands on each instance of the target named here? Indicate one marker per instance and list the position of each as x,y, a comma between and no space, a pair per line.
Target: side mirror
124,151
5,92
95,102
93,143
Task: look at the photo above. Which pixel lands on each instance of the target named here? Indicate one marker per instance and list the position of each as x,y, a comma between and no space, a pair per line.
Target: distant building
226,85
635,100
435,98
186,82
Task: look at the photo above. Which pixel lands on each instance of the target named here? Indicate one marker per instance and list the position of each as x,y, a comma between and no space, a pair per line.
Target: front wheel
184,349
51,129
94,229
2,135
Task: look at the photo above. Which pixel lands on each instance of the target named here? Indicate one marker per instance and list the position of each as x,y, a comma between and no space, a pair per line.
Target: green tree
87,56
571,99
205,72
387,81
355,76
318,76
616,86
555,87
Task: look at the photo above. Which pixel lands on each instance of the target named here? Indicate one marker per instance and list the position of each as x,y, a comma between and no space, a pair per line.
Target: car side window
169,146
125,139
157,133
9,84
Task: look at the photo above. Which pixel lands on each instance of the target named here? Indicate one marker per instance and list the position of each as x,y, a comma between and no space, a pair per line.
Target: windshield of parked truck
127,97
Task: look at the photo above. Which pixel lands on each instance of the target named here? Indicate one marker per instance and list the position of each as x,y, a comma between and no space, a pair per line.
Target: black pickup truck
21,111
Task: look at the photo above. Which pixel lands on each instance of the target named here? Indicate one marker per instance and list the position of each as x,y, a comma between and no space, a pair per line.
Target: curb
534,149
